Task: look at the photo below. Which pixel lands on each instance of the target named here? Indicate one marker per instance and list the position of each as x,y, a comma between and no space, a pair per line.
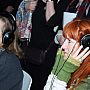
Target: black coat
42,31
41,36
57,18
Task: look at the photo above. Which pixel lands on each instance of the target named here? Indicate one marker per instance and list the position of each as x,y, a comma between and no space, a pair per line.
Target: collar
2,49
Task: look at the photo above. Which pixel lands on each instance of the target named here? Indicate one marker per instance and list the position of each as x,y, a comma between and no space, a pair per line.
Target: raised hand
80,55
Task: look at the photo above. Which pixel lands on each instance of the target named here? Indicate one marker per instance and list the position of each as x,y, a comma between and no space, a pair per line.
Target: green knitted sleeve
64,70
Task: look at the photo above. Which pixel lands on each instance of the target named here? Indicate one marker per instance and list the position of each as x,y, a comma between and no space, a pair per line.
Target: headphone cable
53,78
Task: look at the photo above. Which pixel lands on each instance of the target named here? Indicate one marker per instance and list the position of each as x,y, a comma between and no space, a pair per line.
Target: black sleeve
57,18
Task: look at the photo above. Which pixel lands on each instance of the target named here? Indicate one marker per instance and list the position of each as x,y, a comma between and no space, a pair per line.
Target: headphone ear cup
85,41
8,38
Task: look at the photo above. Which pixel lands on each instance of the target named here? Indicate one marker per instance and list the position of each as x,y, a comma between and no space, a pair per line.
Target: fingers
83,53
75,49
78,51
81,56
84,56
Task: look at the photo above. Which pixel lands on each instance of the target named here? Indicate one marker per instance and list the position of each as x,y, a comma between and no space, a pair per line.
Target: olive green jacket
64,68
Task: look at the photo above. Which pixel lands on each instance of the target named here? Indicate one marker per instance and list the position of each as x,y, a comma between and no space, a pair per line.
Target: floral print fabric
24,16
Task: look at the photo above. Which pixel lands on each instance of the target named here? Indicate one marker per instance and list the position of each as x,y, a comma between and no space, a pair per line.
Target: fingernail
81,46
87,47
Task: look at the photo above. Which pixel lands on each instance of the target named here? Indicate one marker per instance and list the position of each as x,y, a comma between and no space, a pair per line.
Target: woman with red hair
71,70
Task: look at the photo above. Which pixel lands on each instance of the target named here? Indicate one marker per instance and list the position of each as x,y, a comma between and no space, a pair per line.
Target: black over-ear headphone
8,35
85,41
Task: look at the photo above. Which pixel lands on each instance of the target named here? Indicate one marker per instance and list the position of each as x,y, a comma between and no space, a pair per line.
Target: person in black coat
42,38
11,75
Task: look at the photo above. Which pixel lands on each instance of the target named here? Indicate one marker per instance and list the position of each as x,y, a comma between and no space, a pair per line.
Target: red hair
76,29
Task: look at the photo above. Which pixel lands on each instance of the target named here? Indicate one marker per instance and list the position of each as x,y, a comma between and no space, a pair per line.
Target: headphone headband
11,19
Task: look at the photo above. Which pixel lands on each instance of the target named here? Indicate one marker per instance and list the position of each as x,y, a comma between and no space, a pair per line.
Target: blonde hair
13,47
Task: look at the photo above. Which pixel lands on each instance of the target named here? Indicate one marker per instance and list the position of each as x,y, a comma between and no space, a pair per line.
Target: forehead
71,39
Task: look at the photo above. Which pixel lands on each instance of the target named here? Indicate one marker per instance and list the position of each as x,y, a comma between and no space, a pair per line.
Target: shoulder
12,61
9,64
10,71
6,57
